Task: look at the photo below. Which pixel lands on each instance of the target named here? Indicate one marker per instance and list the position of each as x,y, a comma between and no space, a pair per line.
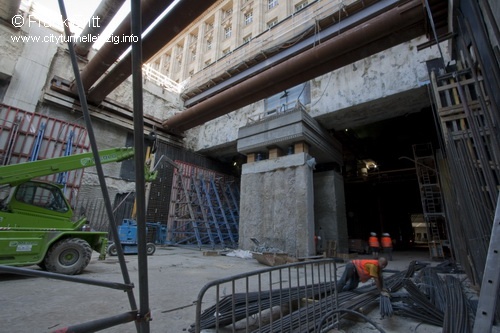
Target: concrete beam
287,129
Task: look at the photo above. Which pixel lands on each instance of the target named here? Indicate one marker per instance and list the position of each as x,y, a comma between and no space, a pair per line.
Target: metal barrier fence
288,298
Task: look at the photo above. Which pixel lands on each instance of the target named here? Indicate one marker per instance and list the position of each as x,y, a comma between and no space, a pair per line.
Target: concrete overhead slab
387,107
286,129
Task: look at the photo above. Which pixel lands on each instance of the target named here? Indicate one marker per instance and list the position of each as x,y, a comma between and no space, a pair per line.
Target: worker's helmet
373,234
385,234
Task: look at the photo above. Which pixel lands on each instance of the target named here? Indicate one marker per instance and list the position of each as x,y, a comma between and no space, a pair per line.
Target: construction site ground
175,274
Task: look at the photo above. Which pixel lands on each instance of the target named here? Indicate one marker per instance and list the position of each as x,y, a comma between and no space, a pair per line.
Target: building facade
227,26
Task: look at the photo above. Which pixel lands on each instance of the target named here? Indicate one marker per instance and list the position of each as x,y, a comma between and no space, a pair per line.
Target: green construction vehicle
37,226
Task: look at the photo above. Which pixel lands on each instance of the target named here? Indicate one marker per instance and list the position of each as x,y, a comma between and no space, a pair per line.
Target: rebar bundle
436,301
418,306
456,315
432,286
385,306
319,302
426,297
235,307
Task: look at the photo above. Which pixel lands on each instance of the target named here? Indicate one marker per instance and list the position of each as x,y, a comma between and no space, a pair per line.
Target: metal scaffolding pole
98,165
140,179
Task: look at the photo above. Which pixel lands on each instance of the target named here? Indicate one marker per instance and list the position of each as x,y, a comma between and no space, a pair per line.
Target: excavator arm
20,173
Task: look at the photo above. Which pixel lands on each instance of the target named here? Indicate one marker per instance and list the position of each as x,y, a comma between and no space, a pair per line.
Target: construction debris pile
420,292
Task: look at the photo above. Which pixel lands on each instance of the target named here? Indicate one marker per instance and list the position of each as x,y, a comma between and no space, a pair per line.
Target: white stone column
218,31
185,59
237,27
200,47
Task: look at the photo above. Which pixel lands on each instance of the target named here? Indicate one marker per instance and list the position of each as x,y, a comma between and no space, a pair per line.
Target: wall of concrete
399,69
277,205
390,72
329,210
10,50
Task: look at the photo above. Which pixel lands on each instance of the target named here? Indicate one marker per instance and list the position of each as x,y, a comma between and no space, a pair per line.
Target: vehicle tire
150,249
69,256
112,251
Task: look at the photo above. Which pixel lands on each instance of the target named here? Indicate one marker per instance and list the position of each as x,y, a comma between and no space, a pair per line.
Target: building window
209,44
226,51
227,13
301,5
208,62
193,55
227,32
209,26
272,23
271,4
248,18
247,39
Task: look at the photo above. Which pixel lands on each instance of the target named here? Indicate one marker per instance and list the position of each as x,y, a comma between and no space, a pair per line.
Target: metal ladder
230,202
215,218
488,297
222,210
431,197
183,222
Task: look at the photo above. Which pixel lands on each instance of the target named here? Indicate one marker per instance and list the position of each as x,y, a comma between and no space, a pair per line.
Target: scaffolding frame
204,208
431,198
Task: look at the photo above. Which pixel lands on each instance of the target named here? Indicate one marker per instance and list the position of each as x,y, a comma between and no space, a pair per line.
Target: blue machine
127,232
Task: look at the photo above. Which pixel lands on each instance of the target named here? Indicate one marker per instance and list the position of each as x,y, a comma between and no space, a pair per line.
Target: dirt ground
175,277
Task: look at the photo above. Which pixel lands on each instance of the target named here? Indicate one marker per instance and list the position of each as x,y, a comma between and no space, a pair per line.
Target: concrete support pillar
8,9
30,73
277,193
277,205
329,210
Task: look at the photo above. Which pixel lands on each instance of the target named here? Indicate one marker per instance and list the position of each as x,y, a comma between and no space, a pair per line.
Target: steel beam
177,19
103,14
110,52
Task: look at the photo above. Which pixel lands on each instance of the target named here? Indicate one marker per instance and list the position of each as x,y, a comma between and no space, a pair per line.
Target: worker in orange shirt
361,270
374,244
387,245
